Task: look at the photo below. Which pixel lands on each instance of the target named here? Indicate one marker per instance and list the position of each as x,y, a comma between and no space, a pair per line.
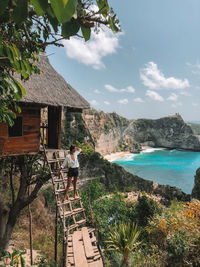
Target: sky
149,70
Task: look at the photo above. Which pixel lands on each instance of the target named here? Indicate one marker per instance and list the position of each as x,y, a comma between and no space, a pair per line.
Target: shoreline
116,155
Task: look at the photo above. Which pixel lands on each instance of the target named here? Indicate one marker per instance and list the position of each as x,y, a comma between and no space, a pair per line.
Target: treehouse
41,113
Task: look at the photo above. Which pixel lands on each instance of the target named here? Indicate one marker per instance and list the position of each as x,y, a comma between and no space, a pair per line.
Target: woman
71,161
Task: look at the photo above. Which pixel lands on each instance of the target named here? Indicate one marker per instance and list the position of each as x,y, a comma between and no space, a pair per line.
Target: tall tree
29,26
30,173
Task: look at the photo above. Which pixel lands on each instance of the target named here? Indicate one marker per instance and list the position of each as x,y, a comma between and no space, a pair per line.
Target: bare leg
74,182
67,189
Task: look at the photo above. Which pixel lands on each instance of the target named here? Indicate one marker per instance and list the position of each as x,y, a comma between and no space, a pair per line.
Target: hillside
109,132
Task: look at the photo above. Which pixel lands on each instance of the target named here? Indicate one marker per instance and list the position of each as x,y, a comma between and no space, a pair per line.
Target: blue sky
150,70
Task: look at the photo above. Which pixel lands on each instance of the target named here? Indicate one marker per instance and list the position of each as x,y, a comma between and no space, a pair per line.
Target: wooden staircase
82,250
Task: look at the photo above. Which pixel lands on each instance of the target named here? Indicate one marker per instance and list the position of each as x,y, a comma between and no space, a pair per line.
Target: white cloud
185,93
153,78
92,52
123,101
195,68
194,104
173,97
138,100
106,103
154,95
97,91
128,89
175,105
94,102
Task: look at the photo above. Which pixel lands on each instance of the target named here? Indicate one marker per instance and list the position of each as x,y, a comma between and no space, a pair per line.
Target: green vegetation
75,130
168,236
12,259
123,239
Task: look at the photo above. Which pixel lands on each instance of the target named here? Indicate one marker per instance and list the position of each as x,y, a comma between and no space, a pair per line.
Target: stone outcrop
115,177
107,130
169,132
196,188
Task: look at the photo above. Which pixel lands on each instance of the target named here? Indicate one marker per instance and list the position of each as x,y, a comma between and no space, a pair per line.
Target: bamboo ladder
72,215
71,211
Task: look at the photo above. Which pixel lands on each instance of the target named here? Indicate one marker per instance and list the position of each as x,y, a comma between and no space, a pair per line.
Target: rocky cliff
113,132
109,132
196,188
169,132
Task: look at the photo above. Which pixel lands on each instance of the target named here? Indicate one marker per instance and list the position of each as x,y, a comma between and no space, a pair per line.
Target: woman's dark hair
71,148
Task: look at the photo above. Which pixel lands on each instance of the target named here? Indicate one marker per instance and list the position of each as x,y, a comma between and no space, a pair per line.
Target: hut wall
29,141
54,127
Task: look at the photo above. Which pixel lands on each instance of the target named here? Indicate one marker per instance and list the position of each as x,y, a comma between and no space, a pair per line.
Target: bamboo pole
56,238
30,232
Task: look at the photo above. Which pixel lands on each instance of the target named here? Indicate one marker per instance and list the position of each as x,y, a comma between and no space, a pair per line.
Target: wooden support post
30,232
64,251
56,238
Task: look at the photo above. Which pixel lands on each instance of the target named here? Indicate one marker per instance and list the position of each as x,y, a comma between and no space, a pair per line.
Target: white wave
152,149
127,157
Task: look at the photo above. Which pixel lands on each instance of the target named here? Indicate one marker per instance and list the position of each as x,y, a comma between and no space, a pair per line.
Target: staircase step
67,201
58,191
81,221
73,226
59,180
52,160
70,213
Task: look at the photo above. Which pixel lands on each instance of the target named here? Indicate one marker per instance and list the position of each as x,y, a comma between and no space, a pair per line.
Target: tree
32,176
29,26
123,238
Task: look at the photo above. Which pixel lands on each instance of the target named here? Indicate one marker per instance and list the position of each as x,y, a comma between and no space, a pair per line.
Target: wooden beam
89,251
79,253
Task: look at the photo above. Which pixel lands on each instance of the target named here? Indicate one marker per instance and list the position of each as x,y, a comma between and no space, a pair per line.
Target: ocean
163,166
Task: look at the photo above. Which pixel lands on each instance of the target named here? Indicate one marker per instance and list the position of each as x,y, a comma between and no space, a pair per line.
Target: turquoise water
163,166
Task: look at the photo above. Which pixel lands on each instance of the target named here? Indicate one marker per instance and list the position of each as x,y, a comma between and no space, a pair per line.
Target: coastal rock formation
115,177
110,132
169,132
107,131
196,188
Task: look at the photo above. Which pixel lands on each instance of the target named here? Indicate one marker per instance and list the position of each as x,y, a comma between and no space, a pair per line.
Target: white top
68,162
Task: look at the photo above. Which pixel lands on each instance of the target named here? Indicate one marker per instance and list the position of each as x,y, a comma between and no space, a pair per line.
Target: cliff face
107,131
196,188
169,132
112,133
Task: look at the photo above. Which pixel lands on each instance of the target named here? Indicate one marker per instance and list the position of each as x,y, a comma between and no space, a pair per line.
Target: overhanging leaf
70,28
64,9
86,33
20,12
40,6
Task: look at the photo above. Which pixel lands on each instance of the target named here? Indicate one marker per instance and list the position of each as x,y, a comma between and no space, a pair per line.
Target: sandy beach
117,155
113,156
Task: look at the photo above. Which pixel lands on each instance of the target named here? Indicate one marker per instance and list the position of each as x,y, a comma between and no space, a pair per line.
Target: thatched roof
50,88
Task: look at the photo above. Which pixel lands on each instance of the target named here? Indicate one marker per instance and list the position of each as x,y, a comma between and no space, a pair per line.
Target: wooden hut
48,90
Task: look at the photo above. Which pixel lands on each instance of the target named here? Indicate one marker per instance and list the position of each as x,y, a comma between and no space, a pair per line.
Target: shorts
72,172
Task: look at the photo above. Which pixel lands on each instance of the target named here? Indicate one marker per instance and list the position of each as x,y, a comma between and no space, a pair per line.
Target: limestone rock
196,188
169,132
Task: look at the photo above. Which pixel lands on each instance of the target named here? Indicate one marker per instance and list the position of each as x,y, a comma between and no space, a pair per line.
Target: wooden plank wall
30,141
